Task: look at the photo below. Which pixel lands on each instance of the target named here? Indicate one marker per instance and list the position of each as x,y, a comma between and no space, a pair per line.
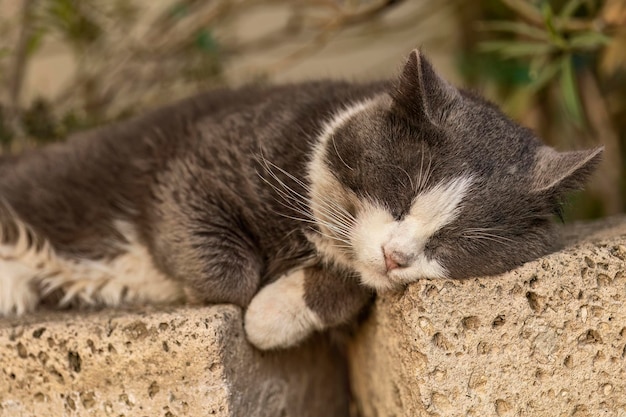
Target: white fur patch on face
342,117
326,193
374,229
29,273
377,232
278,316
439,205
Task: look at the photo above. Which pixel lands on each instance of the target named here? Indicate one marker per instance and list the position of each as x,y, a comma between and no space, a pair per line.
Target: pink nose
394,259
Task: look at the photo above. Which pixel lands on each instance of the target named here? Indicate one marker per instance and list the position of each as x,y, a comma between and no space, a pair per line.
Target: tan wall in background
349,55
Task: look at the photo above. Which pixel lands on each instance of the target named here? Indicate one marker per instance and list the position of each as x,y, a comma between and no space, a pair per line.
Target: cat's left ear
564,171
421,94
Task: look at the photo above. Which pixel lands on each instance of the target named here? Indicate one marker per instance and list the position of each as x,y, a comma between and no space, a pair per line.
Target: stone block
547,339
179,362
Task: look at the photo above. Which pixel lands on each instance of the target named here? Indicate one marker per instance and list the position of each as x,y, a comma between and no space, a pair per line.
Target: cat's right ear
558,172
421,94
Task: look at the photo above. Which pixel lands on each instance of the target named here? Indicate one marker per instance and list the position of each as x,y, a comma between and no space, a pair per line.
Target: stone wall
184,362
548,339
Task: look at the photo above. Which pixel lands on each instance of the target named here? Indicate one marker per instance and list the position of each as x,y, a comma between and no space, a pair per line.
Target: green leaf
588,40
548,20
514,27
570,8
569,90
206,41
544,75
524,8
179,10
35,40
70,19
515,49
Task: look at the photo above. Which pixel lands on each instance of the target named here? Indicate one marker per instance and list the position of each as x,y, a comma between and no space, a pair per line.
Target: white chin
377,281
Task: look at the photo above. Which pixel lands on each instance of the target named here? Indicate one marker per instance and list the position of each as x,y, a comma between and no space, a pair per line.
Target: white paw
278,316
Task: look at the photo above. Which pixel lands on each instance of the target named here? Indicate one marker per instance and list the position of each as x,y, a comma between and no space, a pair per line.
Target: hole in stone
21,351
74,360
590,337
37,333
499,321
471,322
534,301
153,389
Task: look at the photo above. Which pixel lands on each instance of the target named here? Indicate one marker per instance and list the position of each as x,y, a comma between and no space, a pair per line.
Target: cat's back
74,187
149,136
167,125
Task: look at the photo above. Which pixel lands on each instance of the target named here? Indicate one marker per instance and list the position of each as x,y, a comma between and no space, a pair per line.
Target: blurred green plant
555,43
560,67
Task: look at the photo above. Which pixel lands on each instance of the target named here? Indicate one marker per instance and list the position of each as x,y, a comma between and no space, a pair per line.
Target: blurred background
556,66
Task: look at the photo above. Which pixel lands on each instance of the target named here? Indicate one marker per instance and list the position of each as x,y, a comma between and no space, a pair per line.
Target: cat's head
430,181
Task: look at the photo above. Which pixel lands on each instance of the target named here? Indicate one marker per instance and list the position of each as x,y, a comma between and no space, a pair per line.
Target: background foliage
558,66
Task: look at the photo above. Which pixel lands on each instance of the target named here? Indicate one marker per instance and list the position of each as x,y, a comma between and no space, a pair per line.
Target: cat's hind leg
20,266
311,299
32,272
18,290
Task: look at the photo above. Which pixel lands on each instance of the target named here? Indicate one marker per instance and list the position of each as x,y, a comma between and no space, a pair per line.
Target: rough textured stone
548,339
182,362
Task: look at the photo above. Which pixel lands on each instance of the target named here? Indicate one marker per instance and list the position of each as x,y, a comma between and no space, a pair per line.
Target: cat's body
316,193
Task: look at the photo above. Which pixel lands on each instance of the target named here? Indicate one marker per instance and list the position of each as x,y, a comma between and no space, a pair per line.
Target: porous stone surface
182,362
548,339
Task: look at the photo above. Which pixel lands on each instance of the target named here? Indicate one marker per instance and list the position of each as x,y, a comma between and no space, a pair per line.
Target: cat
295,202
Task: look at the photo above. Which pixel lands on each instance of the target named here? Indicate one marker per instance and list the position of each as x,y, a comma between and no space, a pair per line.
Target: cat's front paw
278,316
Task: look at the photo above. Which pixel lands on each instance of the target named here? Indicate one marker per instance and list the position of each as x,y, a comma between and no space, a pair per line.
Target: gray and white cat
295,202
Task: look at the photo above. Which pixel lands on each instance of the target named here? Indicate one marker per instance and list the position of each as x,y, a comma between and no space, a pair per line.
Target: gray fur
462,134
200,181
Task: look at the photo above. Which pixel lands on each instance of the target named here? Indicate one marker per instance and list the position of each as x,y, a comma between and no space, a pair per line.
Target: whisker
331,221
504,238
330,205
287,192
489,234
419,178
337,152
332,237
343,233
292,177
485,229
403,170
287,202
332,211
331,215
490,238
428,169
347,247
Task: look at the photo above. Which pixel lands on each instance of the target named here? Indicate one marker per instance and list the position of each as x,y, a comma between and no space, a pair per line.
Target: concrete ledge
548,339
183,362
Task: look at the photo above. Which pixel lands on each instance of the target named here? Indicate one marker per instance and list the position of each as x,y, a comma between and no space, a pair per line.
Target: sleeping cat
295,202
